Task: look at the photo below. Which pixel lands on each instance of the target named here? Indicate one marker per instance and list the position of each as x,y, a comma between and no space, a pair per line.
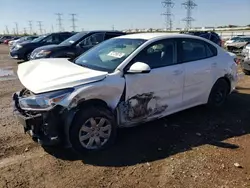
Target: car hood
50,47
45,75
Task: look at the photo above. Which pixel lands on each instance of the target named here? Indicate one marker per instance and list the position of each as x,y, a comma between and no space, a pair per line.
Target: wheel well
227,80
93,102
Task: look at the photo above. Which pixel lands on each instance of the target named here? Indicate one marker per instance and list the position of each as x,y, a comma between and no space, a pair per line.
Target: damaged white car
121,82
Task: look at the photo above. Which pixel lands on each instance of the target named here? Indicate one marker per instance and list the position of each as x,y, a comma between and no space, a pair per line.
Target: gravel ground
194,148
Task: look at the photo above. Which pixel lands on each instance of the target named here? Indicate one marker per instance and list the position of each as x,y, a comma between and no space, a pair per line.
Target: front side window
158,54
48,39
192,50
93,40
108,55
73,39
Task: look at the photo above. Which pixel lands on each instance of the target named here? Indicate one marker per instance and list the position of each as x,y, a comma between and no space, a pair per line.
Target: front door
157,93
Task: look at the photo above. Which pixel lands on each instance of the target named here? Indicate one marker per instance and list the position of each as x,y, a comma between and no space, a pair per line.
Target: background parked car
245,62
75,45
23,50
233,39
8,40
4,38
238,45
210,35
22,39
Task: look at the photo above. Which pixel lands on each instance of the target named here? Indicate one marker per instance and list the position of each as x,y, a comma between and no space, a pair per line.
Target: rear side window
211,50
192,50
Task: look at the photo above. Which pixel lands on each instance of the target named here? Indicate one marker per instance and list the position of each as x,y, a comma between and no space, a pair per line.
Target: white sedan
121,82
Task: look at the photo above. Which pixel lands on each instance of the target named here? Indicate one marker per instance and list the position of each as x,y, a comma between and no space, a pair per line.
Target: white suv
121,82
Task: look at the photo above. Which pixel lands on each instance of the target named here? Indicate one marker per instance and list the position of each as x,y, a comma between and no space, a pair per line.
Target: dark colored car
3,38
75,45
210,35
6,41
23,50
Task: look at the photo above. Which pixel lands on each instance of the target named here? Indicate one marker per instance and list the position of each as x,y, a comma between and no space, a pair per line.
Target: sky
126,14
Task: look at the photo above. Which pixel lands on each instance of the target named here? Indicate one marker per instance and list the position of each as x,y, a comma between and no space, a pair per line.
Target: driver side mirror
139,68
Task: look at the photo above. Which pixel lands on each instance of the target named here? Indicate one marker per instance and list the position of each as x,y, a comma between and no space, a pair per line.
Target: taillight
237,61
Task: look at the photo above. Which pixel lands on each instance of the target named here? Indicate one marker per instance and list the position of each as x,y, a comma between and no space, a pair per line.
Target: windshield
108,55
73,39
39,38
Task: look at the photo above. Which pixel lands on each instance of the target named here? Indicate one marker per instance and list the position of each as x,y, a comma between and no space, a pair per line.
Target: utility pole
16,27
189,5
113,27
168,5
59,19
40,26
13,31
52,28
7,29
30,26
73,19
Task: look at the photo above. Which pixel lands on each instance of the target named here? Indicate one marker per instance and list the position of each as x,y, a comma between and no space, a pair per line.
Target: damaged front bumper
42,126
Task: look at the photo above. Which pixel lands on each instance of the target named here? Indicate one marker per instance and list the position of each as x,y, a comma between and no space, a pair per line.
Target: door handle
178,72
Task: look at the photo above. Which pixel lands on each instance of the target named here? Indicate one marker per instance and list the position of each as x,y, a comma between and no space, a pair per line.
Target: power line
73,19
59,19
189,5
30,26
168,5
16,27
40,26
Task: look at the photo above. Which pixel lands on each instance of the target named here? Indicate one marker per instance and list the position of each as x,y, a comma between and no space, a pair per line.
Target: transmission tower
189,6
40,26
59,19
168,5
24,31
7,29
30,26
73,19
16,27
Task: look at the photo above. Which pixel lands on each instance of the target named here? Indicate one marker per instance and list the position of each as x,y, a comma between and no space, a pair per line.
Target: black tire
247,72
27,57
81,118
219,93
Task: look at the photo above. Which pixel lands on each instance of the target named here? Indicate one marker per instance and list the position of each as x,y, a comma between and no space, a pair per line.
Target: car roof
150,36
104,31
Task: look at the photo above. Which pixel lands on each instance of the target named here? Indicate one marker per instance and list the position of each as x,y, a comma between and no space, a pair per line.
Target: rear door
200,64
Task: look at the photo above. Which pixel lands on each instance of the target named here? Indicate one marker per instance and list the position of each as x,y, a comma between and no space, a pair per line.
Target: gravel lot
195,148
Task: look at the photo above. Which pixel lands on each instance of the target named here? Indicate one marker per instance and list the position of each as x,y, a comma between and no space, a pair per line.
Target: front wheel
27,57
93,129
219,93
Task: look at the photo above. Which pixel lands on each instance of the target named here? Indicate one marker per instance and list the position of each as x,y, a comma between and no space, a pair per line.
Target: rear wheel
219,93
93,129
